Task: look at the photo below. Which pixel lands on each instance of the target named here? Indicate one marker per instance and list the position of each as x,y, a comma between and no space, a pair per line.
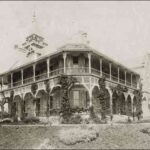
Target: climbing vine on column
66,82
138,94
48,89
103,97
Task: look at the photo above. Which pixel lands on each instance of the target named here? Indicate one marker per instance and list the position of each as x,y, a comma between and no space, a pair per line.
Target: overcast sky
120,30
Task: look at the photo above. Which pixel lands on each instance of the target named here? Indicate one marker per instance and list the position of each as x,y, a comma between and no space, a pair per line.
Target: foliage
5,114
6,120
66,82
77,135
120,88
34,88
31,120
74,119
48,89
47,86
103,97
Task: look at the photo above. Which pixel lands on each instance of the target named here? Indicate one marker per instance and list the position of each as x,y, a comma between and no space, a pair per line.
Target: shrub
31,120
6,120
76,135
4,114
74,119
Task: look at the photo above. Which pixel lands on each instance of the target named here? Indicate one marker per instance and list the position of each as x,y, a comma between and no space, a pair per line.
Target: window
76,98
75,60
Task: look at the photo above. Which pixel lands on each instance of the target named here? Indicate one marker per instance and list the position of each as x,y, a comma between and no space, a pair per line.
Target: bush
6,120
31,120
76,135
74,119
4,114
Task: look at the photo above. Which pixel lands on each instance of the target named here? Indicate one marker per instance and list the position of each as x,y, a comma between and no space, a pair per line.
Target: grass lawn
119,136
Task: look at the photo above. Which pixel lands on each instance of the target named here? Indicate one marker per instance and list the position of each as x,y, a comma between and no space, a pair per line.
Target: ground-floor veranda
43,104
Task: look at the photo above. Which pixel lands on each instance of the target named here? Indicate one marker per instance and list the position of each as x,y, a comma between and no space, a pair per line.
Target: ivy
34,88
66,82
103,97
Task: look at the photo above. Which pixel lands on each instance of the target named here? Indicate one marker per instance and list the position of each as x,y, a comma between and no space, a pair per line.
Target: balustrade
70,71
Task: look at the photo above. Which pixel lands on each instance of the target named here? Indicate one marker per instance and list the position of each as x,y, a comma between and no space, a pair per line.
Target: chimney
84,38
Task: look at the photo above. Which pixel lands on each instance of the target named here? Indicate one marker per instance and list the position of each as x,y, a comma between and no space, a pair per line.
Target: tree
66,82
138,94
48,89
103,97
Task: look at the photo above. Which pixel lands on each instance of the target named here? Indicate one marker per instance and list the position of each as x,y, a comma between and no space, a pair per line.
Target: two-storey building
79,60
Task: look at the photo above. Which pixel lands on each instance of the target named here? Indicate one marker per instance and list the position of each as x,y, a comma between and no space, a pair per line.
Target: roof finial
34,17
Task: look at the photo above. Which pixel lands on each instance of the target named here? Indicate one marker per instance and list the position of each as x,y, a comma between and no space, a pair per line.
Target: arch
115,103
129,106
41,103
29,104
79,96
17,106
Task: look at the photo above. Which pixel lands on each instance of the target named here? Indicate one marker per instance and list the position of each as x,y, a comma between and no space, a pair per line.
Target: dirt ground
117,136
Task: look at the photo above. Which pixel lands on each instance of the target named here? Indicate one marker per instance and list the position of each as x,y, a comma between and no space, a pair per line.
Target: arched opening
17,106
129,106
115,102
79,96
95,99
55,100
41,103
29,105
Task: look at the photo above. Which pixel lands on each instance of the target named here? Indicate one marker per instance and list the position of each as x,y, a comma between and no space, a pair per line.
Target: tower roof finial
34,17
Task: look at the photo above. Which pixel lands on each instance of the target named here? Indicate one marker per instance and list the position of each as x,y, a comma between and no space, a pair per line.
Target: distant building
78,59
144,71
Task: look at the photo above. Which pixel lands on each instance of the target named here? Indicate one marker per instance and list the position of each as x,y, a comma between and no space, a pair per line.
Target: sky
120,30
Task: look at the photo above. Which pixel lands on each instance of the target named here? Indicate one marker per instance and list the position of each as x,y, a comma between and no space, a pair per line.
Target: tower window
75,60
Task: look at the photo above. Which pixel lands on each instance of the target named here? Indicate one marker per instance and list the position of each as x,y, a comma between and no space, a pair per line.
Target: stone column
2,83
11,80
110,70
89,57
125,78
64,57
101,73
111,103
131,79
118,75
48,67
34,72
22,76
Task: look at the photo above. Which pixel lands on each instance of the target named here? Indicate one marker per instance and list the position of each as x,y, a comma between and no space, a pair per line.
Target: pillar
64,57
131,79
2,83
110,100
110,70
33,72
101,73
90,96
125,78
118,75
89,57
11,80
22,76
48,67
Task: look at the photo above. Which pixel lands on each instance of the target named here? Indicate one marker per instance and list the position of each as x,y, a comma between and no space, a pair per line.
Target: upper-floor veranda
76,62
